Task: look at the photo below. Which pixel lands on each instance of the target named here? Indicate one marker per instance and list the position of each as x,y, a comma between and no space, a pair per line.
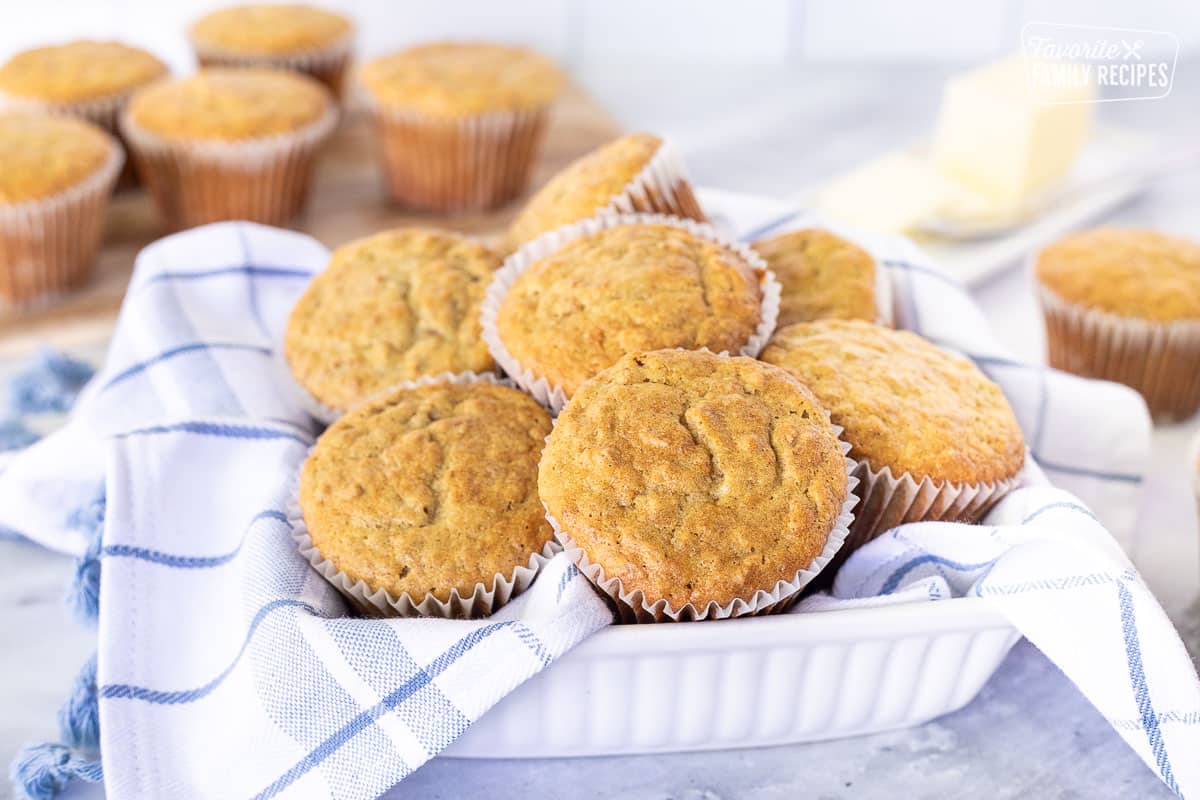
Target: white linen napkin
226,666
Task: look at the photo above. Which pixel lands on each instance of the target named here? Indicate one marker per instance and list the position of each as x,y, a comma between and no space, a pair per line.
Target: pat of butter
1010,130
893,194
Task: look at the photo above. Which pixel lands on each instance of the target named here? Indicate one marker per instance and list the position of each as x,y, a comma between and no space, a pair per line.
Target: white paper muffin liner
482,602
634,606
48,245
194,182
1161,360
553,396
326,63
660,187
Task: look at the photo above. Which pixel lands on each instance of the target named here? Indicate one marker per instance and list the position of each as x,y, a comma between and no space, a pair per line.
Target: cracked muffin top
390,308
230,104
269,29
430,489
695,477
627,289
1126,271
903,402
584,187
822,276
455,79
43,155
78,71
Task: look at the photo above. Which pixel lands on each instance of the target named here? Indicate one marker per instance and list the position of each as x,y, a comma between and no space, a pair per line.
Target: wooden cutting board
347,202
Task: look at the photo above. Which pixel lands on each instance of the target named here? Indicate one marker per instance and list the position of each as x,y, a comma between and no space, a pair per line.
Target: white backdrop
767,32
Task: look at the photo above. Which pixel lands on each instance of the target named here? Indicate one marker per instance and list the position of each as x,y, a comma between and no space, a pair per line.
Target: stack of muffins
732,420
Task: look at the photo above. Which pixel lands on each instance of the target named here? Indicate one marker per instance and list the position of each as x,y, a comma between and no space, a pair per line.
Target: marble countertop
1029,732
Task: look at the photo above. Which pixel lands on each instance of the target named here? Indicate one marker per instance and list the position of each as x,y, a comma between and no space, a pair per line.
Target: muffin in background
56,175
933,437
823,276
637,172
693,486
390,308
1123,304
295,37
229,144
424,502
92,80
459,124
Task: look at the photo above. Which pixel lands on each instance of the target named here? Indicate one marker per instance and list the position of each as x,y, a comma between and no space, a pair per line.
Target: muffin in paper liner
475,162
635,607
195,182
1161,360
48,245
486,598
326,63
516,264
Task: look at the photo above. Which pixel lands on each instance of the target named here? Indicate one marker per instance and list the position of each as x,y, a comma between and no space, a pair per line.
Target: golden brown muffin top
822,276
230,104
455,79
1126,271
584,187
693,477
622,290
42,155
429,489
390,308
904,403
269,29
80,70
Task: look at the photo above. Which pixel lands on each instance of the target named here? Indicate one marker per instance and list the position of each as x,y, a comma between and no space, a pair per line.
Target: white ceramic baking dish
748,682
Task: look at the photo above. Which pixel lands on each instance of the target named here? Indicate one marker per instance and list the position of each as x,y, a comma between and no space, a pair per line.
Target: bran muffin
1123,304
934,438
459,124
300,38
692,486
823,276
424,501
637,172
55,182
570,304
229,144
390,308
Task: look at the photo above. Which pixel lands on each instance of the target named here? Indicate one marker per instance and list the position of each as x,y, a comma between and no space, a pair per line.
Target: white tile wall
622,32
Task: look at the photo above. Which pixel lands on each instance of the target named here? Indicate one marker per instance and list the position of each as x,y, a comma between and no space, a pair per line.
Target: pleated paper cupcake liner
553,396
474,163
48,246
327,63
635,606
661,187
1161,360
482,602
196,182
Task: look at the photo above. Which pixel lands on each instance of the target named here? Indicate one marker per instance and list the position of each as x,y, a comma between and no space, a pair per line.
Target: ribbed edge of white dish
553,396
482,602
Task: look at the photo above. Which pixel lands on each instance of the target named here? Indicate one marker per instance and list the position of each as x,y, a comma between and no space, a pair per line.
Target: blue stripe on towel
893,581
188,562
225,430
248,270
183,349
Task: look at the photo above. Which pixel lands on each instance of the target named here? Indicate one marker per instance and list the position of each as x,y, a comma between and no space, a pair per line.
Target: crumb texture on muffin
694,477
454,79
390,308
584,187
262,29
230,104
821,275
903,402
41,155
626,289
1125,271
80,70
430,489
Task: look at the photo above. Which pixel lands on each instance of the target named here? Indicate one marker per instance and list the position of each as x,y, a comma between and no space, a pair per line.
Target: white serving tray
748,682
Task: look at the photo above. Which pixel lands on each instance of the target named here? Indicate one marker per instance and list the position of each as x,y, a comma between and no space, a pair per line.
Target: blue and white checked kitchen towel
227,669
